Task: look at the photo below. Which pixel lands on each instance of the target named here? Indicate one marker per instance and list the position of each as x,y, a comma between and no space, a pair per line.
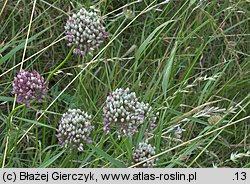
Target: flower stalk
61,64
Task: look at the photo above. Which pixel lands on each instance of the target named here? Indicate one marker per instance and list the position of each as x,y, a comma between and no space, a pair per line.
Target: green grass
189,59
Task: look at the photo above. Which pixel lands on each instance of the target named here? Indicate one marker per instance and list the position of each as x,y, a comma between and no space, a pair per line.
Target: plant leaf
21,45
107,156
149,38
6,99
53,159
35,122
167,70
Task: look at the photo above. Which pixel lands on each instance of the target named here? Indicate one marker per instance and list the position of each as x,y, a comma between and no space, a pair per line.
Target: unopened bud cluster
74,129
29,87
144,152
124,112
84,30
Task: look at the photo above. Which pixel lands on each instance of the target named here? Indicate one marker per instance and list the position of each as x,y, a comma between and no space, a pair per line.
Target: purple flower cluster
84,30
29,87
124,112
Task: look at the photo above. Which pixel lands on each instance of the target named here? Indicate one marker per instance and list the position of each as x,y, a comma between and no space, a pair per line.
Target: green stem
12,113
9,131
66,159
16,138
61,64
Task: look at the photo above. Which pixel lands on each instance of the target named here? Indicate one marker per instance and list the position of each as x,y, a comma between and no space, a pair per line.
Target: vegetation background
189,59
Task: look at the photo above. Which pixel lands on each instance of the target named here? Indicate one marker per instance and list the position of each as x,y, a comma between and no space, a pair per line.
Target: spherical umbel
124,112
144,152
84,29
29,87
74,129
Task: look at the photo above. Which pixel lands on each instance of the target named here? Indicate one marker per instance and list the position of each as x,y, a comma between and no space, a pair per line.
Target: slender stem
16,138
61,64
66,159
5,151
8,131
12,113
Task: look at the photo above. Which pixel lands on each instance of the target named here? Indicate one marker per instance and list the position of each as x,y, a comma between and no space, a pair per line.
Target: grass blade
53,159
167,70
35,122
6,99
21,45
149,38
107,156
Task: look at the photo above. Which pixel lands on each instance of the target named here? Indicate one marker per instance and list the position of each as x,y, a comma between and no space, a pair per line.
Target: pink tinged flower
89,141
105,121
40,101
29,86
106,129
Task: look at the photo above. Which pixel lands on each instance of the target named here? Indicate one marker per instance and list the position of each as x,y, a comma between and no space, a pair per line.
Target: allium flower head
124,112
143,152
74,129
84,30
28,87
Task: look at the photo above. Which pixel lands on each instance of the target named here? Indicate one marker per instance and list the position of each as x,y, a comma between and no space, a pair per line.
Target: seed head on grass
29,87
214,119
84,29
74,129
143,152
124,112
